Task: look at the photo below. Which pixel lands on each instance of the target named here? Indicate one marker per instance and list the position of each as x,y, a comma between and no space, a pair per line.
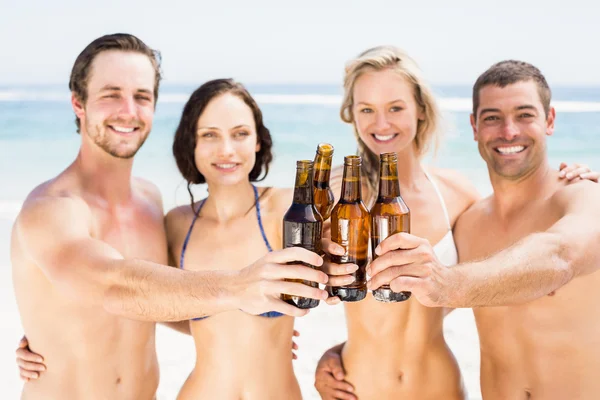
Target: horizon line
172,82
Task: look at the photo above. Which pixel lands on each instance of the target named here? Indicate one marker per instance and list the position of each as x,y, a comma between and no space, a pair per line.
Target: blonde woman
397,350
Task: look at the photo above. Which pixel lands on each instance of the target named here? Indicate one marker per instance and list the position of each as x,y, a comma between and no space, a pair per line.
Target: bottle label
303,234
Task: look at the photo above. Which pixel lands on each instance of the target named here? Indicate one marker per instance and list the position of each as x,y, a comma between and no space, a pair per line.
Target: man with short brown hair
82,68
529,254
89,252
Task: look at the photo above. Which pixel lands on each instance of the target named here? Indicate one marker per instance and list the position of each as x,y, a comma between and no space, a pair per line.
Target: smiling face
227,141
385,112
118,112
511,128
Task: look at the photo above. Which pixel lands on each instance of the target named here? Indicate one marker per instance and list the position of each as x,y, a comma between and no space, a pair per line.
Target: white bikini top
445,249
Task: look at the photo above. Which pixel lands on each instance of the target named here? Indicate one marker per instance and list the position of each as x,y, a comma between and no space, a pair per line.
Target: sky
306,41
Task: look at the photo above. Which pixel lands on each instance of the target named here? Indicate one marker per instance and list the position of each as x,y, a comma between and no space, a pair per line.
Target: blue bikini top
270,314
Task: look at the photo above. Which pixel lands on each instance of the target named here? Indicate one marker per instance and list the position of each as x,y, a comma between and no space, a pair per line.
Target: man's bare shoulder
580,194
467,229
50,213
56,196
149,191
470,220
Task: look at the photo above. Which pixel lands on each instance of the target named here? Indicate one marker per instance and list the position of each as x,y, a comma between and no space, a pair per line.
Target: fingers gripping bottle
302,226
350,224
389,215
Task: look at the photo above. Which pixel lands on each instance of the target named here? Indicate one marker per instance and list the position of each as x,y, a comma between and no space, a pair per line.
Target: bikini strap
187,237
439,194
260,224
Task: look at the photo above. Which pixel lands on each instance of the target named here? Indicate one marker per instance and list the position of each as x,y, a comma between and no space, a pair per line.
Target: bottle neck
322,168
389,186
351,187
303,188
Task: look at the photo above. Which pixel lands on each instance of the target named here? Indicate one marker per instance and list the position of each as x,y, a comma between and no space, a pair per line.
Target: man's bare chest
492,234
137,233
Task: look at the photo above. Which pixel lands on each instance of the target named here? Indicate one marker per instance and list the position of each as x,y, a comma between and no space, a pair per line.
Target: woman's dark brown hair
184,143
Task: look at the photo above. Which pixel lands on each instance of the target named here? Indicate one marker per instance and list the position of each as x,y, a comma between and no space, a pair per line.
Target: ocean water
38,137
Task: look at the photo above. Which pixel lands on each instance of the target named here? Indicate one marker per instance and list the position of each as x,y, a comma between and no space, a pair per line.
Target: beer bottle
323,194
350,228
389,215
302,226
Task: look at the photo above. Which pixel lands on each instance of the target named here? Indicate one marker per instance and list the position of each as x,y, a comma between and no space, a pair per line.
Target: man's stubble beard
101,137
526,167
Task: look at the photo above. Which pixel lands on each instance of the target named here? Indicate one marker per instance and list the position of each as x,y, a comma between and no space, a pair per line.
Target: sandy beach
321,329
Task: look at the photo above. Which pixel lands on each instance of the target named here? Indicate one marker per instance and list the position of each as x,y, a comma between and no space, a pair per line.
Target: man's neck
104,175
513,195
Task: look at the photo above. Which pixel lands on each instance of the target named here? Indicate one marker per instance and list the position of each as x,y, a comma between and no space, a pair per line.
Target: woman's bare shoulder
177,222
276,199
458,191
456,182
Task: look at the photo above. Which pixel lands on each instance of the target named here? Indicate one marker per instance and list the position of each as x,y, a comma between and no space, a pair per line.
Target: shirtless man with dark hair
89,252
528,255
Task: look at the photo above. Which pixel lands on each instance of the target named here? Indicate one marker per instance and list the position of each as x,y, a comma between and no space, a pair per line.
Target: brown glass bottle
350,225
389,215
323,195
302,226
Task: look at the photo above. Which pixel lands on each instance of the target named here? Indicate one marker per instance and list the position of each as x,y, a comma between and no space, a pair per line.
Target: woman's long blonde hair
378,59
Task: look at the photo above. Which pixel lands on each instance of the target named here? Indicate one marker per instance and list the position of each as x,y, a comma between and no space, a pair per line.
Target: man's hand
408,263
329,376
339,274
30,364
578,171
257,288
294,345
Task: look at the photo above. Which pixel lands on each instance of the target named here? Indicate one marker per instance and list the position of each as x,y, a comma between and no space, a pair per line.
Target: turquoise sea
38,138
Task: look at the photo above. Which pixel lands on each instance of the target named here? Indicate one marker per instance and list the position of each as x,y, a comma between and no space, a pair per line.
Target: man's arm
330,374
533,267
54,233
543,261
179,326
